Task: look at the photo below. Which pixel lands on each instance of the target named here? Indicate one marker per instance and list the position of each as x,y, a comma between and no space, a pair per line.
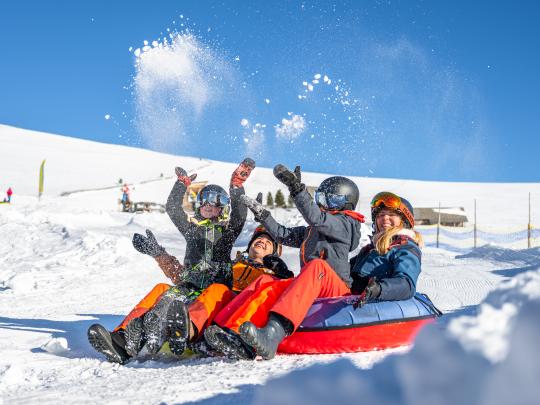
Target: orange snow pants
201,311
145,304
290,298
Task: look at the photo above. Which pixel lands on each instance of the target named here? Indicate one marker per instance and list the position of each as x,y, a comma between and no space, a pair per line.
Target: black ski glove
278,266
255,206
148,245
372,291
293,181
183,176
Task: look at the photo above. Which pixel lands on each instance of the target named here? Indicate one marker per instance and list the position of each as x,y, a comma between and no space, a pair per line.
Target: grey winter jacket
329,235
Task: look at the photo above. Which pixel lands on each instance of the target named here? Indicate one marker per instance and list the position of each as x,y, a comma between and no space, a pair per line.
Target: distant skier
125,197
9,193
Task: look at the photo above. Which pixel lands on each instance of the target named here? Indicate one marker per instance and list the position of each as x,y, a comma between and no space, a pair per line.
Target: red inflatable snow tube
334,325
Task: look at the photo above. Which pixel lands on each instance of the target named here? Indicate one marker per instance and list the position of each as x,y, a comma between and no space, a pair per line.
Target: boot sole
178,324
133,335
152,330
100,339
228,344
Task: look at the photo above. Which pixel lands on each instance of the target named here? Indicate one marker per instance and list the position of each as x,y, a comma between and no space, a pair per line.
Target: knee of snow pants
204,309
145,304
316,280
253,304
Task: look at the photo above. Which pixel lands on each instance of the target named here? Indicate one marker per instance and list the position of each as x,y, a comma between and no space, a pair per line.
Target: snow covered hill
67,262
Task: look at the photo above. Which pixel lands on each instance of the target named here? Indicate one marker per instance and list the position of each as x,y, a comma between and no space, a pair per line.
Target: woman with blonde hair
388,268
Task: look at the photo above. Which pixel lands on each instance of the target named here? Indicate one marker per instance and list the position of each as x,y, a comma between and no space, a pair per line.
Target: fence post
529,226
475,223
438,224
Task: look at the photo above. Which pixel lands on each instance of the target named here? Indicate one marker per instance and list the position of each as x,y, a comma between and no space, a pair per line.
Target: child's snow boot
109,344
178,324
134,336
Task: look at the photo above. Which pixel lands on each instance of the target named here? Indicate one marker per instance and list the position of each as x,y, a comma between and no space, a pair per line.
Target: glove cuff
262,216
296,189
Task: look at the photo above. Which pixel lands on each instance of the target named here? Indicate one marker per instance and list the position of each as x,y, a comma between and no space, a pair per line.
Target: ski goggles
330,201
214,199
393,202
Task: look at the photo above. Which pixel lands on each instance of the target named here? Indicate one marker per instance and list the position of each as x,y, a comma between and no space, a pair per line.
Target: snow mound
56,346
438,370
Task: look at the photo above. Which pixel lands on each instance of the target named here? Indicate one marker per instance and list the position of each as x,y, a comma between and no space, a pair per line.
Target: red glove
242,172
183,177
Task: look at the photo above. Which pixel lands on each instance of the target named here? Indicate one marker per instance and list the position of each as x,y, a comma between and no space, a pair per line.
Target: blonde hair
382,245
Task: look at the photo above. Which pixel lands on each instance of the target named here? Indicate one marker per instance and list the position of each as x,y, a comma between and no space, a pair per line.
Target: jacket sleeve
326,223
406,260
174,207
238,214
292,237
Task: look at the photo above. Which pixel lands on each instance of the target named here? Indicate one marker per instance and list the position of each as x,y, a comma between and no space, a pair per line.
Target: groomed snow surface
67,262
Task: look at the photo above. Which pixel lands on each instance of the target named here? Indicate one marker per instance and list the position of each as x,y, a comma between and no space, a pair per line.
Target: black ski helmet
213,194
337,186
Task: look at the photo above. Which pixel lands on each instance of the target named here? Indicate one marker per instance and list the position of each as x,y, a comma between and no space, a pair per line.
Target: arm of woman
406,260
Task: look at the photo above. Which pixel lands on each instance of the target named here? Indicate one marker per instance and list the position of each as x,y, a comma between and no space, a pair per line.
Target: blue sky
434,90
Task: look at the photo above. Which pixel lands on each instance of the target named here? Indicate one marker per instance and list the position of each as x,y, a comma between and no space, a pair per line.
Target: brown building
450,216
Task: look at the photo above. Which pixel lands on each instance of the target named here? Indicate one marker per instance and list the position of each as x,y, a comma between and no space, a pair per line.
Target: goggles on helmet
393,202
330,201
213,198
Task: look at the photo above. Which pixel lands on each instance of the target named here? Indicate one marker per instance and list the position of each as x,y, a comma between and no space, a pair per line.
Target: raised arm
236,190
174,206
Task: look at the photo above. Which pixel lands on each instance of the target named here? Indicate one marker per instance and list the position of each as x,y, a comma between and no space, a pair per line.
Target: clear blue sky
437,90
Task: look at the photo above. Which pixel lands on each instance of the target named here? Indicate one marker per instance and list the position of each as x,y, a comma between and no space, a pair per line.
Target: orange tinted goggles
387,199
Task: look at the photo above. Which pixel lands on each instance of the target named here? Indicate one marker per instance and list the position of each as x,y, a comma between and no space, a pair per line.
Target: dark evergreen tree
269,199
280,199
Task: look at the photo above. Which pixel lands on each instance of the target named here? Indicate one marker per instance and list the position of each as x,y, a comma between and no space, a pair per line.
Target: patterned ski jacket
208,244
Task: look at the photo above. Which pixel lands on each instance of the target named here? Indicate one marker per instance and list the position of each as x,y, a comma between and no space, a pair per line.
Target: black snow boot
109,344
228,343
153,332
134,336
178,324
266,340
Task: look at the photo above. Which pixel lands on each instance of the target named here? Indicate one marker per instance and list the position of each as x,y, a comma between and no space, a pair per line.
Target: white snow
291,128
67,262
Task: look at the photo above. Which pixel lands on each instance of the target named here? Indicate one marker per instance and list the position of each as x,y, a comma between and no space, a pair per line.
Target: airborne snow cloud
291,128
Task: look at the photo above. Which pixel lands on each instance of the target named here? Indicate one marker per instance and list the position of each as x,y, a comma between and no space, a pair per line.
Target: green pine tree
269,200
280,199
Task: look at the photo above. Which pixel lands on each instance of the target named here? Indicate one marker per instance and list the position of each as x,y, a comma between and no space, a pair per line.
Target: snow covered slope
67,262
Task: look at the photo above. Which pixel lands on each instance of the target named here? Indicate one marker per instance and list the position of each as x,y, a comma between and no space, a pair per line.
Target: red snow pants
290,298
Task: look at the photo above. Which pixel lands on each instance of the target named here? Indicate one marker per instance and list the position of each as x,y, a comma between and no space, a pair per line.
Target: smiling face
260,247
209,211
386,219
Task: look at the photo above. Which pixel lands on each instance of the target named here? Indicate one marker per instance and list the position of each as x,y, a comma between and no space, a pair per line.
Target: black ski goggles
214,199
330,201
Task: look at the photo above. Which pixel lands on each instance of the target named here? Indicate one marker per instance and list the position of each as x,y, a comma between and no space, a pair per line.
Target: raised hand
255,206
293,181
183,176
242,172
148,245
